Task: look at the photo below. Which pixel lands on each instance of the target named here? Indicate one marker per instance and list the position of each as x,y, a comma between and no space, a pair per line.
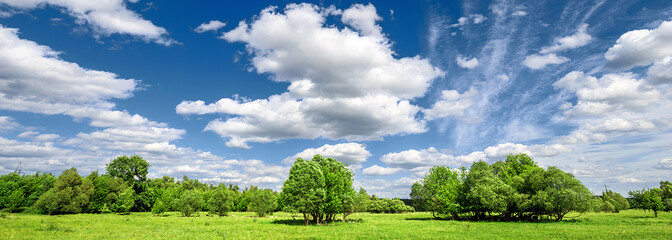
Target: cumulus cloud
547,56
344,83
376,170
537,62
213,25
464,62
576,40
661,71
104,17
423,159
352,154
452,103
609,93
641,47
501,150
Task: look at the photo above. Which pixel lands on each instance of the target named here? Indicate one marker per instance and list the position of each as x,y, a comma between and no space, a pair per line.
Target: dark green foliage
190,202
264,202
18,193
125,201
382,205
221,201
70,194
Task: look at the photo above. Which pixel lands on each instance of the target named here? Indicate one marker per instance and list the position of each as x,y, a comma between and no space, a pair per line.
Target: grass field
631,224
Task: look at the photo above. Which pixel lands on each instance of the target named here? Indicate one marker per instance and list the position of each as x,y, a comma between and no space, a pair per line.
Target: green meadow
629,224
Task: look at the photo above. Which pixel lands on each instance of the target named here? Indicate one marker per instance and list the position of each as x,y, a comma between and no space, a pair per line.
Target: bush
220,202
189,203
158,208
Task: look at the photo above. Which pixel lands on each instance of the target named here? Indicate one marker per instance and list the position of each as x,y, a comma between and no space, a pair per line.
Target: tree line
321,191
518,189
124,187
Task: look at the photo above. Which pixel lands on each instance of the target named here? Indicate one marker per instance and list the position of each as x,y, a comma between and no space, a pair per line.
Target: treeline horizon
504,190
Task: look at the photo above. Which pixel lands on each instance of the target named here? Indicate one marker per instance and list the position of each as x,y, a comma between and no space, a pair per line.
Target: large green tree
70,194
304,189
439,191
133,170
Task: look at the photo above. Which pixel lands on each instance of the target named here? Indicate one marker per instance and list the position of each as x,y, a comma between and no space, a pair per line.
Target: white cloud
547,56
464,62
578,39
661,71
352,154
8,123
363,18
537,62
412,158
475,18
501,150
34,73
104,17
607,94
213,25
452,103
665,164
519,13
641,47
376,170
621,125
343,84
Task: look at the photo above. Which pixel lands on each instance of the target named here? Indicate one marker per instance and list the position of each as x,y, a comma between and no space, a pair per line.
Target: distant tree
130,169
264,202
653,201
189,203
70,194
221,201
361,201
15,200
616,200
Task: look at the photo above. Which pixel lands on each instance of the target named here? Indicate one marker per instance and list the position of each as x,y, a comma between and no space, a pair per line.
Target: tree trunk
655,213
305,218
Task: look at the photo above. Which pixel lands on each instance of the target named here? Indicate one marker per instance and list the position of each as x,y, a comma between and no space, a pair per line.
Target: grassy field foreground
631,224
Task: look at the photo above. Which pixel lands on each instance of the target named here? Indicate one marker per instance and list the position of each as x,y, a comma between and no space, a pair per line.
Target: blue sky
233,92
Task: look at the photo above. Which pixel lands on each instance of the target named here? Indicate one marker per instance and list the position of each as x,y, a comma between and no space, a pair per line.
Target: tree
264,202
439,192
304,189
131,169
70,194
338,187
616,200
221,201
125,201
361,201
653,201
564,193
190,202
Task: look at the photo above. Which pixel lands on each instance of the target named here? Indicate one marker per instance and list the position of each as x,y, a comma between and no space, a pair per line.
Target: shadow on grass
300,222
